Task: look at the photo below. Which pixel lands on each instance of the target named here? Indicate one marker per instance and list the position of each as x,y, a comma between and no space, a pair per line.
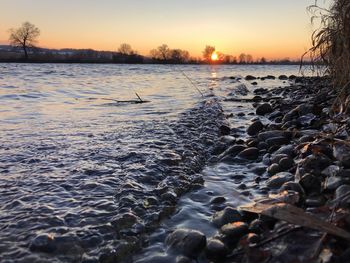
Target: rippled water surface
76,164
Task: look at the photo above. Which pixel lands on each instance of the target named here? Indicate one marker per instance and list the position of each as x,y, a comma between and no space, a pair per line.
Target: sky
275,29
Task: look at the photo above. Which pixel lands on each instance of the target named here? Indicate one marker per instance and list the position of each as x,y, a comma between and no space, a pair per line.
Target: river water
83,175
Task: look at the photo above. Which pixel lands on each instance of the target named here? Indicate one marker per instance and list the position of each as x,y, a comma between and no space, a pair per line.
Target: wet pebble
187,242
264,109
228,215
255,128
216,250
279,179
251,153
43,243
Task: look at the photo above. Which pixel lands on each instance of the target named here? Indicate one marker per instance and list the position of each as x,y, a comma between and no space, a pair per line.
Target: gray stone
286,149
255,128
310,183
315,201
263,136
186,242
228,215
251,153
341,152
234,230
276,158
277,141
279,179
331,170
216,250
232,151
43,243
250,77
294,187
273,169
286,163
264,109
342,194
333,182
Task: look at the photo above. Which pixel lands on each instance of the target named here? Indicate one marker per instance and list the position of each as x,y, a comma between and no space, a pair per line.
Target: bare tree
163,52
208,52
242,59
125,49
25,37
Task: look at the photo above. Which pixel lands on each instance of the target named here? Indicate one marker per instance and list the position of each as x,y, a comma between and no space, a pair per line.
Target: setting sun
214,56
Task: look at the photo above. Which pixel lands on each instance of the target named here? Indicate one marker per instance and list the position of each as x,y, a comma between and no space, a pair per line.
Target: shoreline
299,161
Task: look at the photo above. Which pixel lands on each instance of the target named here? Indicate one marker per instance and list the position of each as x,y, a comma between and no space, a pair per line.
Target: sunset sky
270,28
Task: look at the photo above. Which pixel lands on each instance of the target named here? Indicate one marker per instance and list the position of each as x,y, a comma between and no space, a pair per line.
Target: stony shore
302,157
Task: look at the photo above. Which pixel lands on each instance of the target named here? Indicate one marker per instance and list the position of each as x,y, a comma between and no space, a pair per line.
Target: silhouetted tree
242,59
207,52
249,59
25,37
125,49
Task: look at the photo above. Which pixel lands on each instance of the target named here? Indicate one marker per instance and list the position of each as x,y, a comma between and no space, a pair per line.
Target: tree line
26,37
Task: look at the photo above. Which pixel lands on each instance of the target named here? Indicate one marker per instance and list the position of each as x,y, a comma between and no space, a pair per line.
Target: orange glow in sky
270,28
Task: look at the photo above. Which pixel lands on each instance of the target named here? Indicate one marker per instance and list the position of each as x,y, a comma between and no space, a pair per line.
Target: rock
331,170
234,230
277,141
251,153
255,128
341,152
263,136
270,77
254,83
273,169
286,163
306,120
293,186
218,200
310,183
228,215
279,179
224,130
291,77
276,158
250,77
315,201
282,77
257,226
264,109
249,239
287,149
342,194
314,164
232,151
216,250
333,182
43,243
186,242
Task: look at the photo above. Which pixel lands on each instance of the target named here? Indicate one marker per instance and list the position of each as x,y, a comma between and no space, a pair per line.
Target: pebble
216,250
264,109
279,179
273,169
234,230
228,215
341,192
186,242
43,243
251,153
310,183
286,163
255,128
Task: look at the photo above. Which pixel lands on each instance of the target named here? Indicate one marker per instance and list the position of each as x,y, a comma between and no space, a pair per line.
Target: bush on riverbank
331,46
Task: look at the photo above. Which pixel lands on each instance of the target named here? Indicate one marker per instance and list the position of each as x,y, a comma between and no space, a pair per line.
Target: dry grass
331,46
